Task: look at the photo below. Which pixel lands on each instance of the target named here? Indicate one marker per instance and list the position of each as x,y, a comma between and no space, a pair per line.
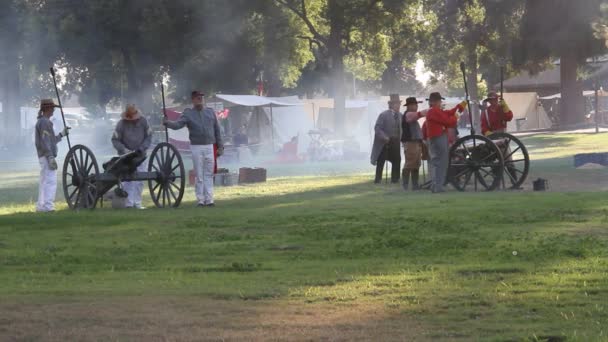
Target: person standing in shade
46,148
204,133
133,134
386,140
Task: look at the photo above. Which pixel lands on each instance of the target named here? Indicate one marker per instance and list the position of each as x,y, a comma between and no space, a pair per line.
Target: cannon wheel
80,172
475,161
167,189
517,160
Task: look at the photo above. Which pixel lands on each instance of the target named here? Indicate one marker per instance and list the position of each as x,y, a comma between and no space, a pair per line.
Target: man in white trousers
133,134
204,132
46,147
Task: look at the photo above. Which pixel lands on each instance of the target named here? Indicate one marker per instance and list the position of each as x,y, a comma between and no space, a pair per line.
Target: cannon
84,184
487,163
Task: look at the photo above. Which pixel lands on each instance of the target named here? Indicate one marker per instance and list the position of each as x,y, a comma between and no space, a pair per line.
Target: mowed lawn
319,257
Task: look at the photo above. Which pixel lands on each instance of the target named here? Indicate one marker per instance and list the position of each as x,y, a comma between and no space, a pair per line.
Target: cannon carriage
84,185
488,163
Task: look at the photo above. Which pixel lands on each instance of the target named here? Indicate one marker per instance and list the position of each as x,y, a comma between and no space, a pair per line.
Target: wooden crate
252,175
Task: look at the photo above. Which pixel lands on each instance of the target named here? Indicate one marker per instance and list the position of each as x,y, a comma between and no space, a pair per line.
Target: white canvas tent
527,114
286,115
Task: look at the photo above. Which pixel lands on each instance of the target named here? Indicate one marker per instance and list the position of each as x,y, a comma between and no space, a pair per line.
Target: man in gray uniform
133,134
386,140
204,132
46,147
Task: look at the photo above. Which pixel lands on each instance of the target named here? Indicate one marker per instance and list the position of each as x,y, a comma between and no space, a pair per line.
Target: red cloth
439,120
172,115
289,152
498,119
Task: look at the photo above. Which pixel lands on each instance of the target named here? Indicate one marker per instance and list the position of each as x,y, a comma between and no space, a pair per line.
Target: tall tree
477,32
11,38
117,47
562,29
346,34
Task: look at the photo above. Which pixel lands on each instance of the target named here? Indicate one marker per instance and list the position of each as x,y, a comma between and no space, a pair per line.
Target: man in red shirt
437,123
494,117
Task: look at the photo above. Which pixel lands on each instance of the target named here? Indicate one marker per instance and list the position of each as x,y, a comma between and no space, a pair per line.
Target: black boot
379,172
415,185
405,179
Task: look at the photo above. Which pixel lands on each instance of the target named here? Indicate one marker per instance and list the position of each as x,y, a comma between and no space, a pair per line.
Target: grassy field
329,257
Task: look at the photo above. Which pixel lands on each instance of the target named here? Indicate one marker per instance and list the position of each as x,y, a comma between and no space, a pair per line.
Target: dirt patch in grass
192,318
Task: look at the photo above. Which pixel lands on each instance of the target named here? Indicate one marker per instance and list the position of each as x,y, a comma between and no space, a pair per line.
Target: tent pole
314,120
597,107
272,127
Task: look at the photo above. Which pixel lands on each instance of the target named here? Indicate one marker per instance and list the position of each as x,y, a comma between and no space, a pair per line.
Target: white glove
52,163
65,132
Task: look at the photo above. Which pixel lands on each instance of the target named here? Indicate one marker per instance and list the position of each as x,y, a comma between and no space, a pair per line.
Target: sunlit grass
471,266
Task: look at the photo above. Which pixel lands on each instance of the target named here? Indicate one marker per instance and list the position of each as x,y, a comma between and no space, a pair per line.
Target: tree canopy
117,51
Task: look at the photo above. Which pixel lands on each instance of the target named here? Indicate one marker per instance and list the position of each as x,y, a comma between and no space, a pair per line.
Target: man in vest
411,137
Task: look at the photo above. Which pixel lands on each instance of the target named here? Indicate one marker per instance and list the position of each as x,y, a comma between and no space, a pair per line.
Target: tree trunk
9,75
131,75
140,83
339,95
572,105
336,55
390,78
472,71
11,100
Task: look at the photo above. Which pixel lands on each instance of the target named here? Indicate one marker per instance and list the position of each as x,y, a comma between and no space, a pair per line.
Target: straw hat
47,103
131,113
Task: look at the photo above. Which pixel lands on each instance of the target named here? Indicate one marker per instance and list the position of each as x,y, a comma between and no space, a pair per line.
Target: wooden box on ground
252,175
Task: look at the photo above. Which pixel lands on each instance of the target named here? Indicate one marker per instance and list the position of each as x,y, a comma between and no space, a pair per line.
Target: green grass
445,260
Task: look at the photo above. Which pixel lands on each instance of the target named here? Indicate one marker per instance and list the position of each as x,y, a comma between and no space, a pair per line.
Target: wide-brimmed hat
410,101
393,98
196,93
435,97
47,103
131,113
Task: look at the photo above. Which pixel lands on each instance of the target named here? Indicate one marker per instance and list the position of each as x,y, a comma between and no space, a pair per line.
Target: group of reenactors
133,134
393,130
432,141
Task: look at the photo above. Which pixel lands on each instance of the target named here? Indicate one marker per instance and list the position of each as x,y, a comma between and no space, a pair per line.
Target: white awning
586,93
260,101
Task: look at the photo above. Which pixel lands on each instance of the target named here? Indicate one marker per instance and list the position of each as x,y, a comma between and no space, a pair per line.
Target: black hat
435,97
411,100
197,93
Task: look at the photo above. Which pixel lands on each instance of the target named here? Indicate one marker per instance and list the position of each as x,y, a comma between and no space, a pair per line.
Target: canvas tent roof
260,101
586,93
